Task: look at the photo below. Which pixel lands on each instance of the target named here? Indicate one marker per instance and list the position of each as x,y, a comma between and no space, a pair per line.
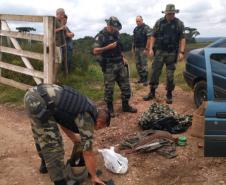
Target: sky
87,17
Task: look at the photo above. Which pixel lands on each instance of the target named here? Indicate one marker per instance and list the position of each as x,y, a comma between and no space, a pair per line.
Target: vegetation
190,34
86,75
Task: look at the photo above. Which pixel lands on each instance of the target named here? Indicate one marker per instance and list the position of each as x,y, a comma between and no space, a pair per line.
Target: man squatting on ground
49,105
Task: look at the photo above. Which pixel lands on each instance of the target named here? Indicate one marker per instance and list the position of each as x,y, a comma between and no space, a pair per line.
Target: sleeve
155,29
85,124
148,31
181,30
98,41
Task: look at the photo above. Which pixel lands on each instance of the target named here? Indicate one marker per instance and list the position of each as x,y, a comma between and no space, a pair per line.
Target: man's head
113,24
139,20
103,119
60,13
170,12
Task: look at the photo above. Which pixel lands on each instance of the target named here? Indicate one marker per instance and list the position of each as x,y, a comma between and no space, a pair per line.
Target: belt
113,60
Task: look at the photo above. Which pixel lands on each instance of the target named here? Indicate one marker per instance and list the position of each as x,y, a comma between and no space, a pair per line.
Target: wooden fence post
49,48
0,45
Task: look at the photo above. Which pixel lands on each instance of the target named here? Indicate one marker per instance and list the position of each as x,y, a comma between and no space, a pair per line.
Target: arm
147,48
85,124
99,50
72,136
91,167
181,49
70,34
182,42
182,45
148,43
151,44
62,28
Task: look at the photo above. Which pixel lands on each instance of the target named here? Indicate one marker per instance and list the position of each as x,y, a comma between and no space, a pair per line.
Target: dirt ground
19,162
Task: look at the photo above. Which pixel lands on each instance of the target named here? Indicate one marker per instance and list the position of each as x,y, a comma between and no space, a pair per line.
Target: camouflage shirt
168,34
103,38
157,28
83,121
60,35
140,35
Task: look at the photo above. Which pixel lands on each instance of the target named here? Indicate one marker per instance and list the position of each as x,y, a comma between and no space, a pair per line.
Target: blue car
215,113
195,72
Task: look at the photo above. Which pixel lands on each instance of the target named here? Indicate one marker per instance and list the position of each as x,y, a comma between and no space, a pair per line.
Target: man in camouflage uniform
168,42
115,69
49,105
141,42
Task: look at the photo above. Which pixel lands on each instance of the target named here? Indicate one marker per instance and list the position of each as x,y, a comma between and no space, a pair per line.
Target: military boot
42,168
169,97
150,96
139,81
145,81
127,108
66,182
111,109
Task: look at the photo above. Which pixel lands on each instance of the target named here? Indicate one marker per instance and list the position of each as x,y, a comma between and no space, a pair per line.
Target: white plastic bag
113,161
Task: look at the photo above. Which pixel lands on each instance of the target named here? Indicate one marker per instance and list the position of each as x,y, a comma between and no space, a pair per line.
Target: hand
97,181
146,52
63,28
180,56
125,61
112,45
97,51
72,35
151,52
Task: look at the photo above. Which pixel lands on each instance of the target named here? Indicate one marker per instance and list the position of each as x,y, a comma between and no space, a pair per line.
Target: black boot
111,109
145,81
150,96
127,108
42,168
169,97
139,81
64,182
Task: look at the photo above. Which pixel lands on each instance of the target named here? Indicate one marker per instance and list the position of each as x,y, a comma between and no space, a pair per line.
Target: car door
218,64
215,115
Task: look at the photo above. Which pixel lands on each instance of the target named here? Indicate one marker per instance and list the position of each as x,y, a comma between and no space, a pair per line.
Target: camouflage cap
114,22
170,8
33,102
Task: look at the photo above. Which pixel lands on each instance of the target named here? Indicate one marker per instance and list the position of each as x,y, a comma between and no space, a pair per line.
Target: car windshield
220,43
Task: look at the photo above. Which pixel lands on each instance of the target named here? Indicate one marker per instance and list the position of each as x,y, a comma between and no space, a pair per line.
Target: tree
126,40
190,34
25,29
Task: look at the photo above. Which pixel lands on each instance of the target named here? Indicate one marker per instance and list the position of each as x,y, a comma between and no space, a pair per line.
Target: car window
218,58
218,65
222,45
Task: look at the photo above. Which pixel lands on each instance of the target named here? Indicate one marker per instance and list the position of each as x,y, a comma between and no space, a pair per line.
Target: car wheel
200,93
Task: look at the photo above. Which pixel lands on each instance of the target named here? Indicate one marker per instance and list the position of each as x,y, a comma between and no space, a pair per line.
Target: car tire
200,93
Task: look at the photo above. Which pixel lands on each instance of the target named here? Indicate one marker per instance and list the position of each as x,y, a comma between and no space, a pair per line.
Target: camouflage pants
161,58
49,144
141,63
49,140
116,72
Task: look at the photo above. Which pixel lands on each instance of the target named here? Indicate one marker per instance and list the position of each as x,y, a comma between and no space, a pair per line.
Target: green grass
89,83
88,78
10,94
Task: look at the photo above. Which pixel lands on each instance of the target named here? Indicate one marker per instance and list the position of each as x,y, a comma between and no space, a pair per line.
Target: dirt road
19,162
